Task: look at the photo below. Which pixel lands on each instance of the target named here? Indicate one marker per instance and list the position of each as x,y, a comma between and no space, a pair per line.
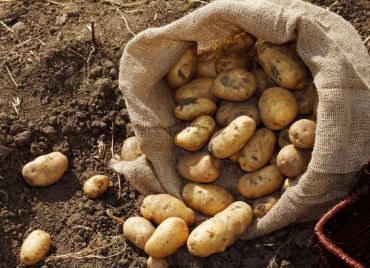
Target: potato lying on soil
277,107
229,140
138,230
207,63
130,149
258,151
157,208
46,169
197,88
169,236
190,109
306,99
263,81
199,167
293,161
229,61
283,139
96,185
35,247
302,133
184,69
289,182
208,199
261,182
240,42
263,205
221,231
156,263
196,135
234,85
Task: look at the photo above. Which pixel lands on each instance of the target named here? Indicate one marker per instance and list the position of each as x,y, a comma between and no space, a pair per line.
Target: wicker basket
343,233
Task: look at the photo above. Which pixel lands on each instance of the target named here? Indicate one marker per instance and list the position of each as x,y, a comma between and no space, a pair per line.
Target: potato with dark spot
96,186
263,81
156,263
302,133
283,139
130,149
184,69
190,109
138,230
207,63
240,42
263,205
306,99
197,88
229,61
293,161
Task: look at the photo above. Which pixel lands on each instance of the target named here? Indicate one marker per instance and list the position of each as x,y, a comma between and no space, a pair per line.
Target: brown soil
66,82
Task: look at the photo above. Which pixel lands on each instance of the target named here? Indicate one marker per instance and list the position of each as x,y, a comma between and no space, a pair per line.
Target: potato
207,63
258,151
302,133
208,199
229,110
159,207
263,205
35,247
282,65
130,149
221,231
190,109
283,139
232,138
156,263
234,85
197,88
184,69
138,230
197,134
289,182
234,157
277,107
199,167
261,182
96,185
46,169
229,61
305,99
240,42
293,161
263,81
169,236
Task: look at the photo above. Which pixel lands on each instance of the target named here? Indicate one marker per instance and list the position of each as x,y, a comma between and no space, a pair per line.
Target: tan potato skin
197,88
278,108
130,149
184,69
96,185
261,182
221,231
234,157
258,151
283,139
157,208
263,81
207,64
190,109
169,236
306,99
46,169
229,61
302,133
156,263
208,199
196,135
35,247
240,42
229,140
199,167
138,230
293,161
263,205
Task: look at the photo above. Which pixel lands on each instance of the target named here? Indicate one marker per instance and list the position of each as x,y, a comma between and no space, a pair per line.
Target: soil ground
58,91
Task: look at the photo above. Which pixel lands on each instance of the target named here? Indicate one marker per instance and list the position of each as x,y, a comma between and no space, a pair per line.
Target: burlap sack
329,46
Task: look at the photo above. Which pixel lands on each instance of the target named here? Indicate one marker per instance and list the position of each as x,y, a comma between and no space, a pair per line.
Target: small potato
208,199
261,182
197,88
156,263
96,185
35,247
293,161
229,110
229,61
240,42
284,139
282,65
302,133
234,85
278,108
289,182
184,69
258,151
138,230
196,135
221,231
157,208
46,169
199,167
207,63
263,205
169,236
306,99
130,149
190,109
229,140
263,81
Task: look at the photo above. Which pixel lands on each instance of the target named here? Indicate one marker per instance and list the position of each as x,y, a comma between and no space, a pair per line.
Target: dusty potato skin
184,69
293,161
208,199
96,185
263,205
278,108
240,42
169,236
306,99
197,88
196,135
263,81
156,263
221,231
190,109
261,182
258,151
229,61
130,149
199,167
206,65
157,208
283,139
302,133
35,247
138,230
229,110
229,140
45,169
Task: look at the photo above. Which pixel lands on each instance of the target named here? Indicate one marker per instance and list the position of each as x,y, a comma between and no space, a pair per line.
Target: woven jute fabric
330,47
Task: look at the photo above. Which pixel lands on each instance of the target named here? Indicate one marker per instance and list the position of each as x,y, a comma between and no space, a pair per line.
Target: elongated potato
232,138
184,69
169,236
190,109
156,263
35,247
208,199
263,81
263,205
207,63
96,185
283,139
293,161
197,88
302,133
229,61
197,134
240,42
157,208
221,231
138,230
306,99
46,169
258,151
130,149
261,182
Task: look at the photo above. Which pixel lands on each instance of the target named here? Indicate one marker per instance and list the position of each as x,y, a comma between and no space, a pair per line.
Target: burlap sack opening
329,46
